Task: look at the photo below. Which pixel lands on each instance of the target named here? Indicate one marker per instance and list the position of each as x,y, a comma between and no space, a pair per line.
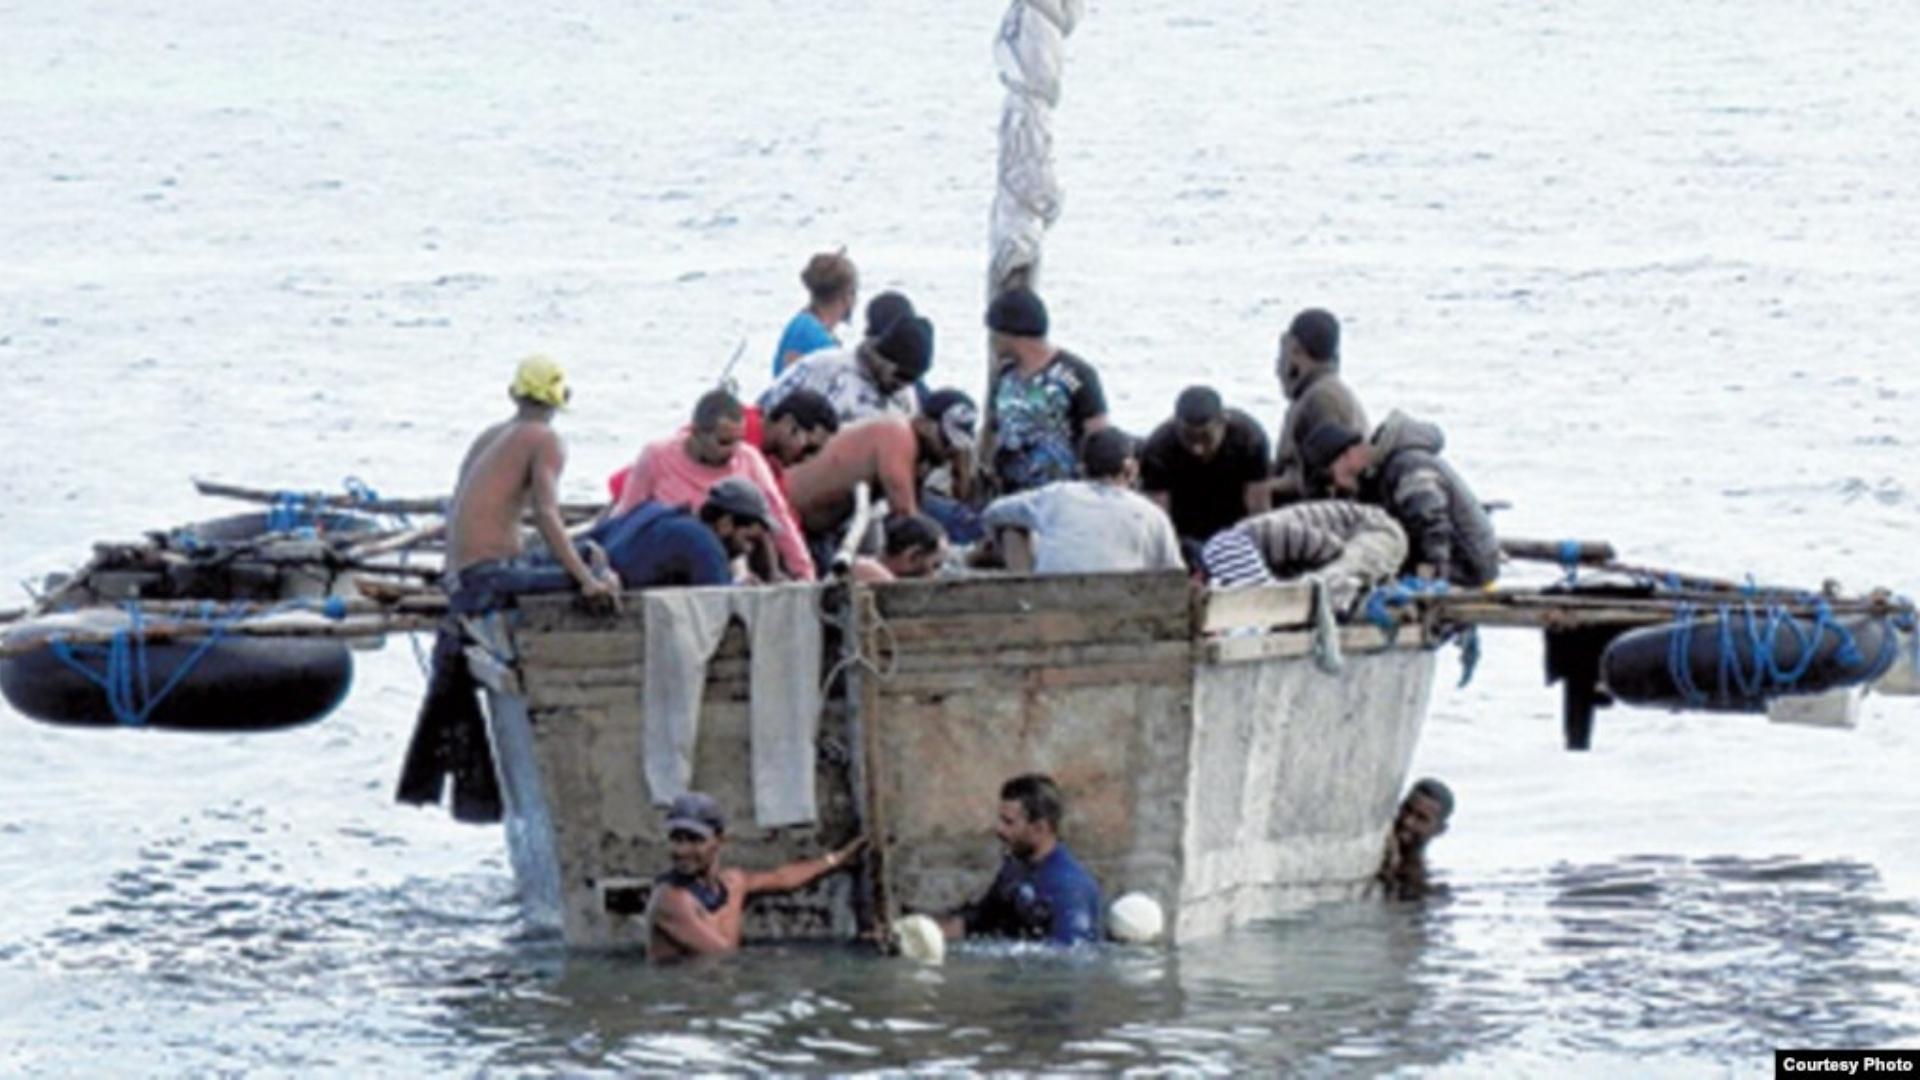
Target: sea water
1652,268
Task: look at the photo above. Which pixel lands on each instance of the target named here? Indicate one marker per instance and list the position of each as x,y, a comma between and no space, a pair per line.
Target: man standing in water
1042,893
1423,816
696,907
513,467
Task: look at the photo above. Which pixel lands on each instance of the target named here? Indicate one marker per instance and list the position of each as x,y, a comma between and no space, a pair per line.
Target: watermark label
1812,1063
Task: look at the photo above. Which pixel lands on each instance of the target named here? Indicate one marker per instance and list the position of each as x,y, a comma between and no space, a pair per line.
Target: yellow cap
541,380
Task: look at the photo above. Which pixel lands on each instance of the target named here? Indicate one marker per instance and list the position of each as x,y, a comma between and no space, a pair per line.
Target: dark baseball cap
696,812
737,497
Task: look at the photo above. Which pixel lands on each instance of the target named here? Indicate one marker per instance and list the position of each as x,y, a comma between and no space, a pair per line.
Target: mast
1030,52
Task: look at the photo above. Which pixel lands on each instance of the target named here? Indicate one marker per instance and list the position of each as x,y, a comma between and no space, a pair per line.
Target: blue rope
1469,655
126,676
291,511
1760,630
1388,596
1570,559
1680,655
365,497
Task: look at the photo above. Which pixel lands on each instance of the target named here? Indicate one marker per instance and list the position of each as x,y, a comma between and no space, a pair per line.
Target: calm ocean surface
1652,269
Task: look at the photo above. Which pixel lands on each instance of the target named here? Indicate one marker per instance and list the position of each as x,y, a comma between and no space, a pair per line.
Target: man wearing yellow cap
512,468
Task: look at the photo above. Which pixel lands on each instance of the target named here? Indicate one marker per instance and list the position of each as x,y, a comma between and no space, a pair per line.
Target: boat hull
1212,766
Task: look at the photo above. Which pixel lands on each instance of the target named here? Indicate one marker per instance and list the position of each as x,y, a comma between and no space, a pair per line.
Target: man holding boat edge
1041,893
696,907
512,468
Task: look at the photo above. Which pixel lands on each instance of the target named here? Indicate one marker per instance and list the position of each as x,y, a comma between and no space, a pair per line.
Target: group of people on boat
1042,482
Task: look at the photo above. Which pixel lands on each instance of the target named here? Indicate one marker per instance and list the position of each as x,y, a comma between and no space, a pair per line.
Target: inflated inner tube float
1740,657
217,682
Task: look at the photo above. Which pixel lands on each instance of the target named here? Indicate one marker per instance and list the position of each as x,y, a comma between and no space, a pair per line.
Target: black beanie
908,343
1318,332
884,310
1325,444
1018,312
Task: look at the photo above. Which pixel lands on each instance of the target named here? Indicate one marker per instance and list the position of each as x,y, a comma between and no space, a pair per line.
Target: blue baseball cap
696,812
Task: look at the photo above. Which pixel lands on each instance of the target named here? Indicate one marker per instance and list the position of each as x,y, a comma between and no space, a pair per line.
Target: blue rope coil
126,677
1760,629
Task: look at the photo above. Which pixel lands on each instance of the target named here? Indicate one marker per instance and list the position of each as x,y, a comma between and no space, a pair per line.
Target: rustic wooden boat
1208,760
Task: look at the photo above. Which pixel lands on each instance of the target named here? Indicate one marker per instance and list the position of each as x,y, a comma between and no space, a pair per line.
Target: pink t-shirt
664,473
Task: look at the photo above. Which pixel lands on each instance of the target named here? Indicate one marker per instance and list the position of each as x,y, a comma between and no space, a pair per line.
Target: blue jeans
491,584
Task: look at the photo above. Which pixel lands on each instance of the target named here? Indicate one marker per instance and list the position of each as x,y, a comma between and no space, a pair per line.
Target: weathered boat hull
1212,772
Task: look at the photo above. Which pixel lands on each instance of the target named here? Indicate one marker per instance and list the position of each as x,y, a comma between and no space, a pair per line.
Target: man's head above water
1423,814
1031,807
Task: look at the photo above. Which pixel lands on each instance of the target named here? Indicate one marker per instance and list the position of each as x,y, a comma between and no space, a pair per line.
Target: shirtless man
890,453
696,907
512,467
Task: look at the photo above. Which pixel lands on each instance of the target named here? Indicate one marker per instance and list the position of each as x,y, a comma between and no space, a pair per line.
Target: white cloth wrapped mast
1030,52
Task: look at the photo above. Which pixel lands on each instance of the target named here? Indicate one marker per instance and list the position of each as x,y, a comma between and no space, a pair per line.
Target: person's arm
1256,497
687,924
897,465
1166,546
1021,511
1420,502
790,540
795,874
1089,405
548,460
1256,492
871,571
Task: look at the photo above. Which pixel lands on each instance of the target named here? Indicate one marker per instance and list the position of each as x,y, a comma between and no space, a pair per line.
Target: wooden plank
1298,643
1016,595
1586,552
922,686
949,632
574,696
580,649
1162,671
1263,606
1096,654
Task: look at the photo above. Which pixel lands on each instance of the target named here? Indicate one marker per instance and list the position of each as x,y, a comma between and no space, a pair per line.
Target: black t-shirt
1207,496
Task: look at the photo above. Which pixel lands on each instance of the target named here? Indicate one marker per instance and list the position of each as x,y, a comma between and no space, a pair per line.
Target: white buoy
1136,919
920,939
